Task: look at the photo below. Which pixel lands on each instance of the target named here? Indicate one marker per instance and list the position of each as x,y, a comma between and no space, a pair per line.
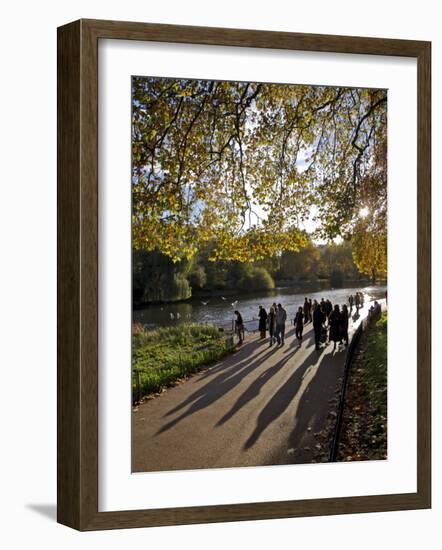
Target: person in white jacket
280,319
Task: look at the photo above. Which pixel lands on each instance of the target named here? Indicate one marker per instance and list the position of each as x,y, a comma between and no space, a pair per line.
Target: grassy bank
364,427
161,356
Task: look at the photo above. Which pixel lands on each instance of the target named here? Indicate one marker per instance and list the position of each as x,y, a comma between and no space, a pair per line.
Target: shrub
257,278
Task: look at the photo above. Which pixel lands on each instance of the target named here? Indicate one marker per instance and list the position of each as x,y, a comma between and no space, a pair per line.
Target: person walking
335,326
280,319
262,314
299,323
344,324
357,301
239,326
318,321
310,305
271,325
306,310
350,301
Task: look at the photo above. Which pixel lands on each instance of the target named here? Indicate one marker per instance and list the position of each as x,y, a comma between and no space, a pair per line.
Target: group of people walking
274,321
357,300
330,322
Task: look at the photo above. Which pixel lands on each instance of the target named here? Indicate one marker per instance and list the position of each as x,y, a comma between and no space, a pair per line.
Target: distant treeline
156,278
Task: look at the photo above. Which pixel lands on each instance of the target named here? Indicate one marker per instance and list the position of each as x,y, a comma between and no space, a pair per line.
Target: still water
219,310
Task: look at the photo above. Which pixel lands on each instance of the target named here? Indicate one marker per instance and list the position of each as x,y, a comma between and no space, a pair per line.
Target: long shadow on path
217,388
283,397
255,388
242,353
320,391
241,358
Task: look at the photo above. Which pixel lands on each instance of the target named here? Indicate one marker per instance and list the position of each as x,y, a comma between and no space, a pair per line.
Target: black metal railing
367,321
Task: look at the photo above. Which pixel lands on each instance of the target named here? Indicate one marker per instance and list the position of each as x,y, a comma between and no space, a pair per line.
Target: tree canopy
369,232
240,164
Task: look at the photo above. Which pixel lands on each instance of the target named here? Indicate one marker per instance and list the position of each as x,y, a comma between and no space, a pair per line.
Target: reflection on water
219,311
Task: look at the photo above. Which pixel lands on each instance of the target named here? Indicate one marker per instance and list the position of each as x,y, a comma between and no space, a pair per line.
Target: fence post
138,385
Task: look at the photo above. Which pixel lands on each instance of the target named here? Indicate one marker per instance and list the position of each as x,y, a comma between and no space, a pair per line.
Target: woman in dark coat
299,323
306,311
344,324
239,326
334,321
318,320
262,322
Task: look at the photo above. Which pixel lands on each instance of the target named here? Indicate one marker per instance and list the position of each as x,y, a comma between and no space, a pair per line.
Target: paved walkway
261,405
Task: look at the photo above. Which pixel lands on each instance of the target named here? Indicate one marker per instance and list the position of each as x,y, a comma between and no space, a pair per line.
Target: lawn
364,427
162,356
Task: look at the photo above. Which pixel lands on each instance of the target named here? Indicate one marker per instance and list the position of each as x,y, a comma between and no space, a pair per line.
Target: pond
219,310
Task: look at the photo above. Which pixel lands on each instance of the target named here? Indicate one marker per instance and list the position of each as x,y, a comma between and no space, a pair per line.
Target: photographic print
259,274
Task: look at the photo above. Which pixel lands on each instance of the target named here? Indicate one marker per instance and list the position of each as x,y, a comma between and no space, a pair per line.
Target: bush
257,278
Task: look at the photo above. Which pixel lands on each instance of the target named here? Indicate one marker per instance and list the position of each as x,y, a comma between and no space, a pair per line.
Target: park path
260,405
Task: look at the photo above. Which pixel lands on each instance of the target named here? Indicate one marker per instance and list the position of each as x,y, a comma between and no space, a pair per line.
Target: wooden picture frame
77,459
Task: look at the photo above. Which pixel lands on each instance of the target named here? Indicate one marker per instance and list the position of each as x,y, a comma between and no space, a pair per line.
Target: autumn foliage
239,165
